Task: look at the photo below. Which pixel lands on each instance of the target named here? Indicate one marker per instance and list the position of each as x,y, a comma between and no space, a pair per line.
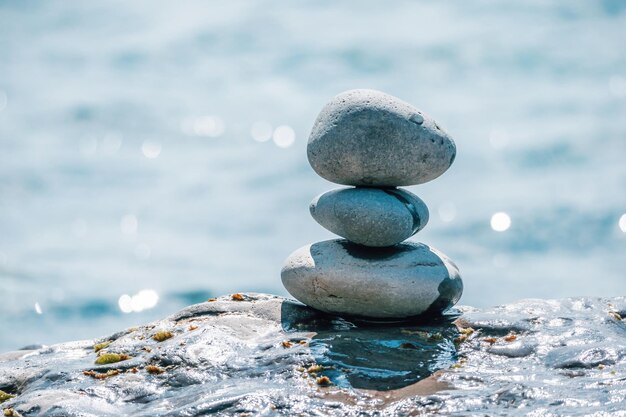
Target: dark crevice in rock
450,291
373,254
417,221
194,313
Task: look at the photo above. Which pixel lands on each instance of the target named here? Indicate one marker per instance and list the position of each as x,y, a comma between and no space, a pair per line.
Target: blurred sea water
153,154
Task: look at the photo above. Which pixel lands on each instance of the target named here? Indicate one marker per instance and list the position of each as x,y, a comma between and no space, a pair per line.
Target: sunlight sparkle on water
129,224
261,131
622,223
208,126
500,221
124,303
151,150
143,300
284,136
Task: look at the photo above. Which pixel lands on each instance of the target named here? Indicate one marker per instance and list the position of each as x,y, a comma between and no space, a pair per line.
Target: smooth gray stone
340,277
370,216
366,137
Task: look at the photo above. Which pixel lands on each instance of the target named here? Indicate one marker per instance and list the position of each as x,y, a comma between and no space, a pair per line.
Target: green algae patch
162,336
99,346
111,358
4,396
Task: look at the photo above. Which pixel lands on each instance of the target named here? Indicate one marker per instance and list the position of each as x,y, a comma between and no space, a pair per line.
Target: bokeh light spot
208,126
261,131
284,136
447,211
143,300
124,303
150,149
500,221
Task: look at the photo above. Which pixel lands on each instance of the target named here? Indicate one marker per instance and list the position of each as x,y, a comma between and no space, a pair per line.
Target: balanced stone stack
374,142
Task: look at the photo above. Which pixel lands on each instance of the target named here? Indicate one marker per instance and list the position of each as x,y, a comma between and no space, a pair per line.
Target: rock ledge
259,354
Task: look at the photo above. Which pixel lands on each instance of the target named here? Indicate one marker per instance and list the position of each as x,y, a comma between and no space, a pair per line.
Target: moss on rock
111,358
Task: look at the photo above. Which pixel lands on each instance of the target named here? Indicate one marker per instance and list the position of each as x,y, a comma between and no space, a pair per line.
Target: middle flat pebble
370,216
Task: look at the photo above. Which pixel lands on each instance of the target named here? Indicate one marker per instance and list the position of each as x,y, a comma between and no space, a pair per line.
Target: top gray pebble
369,138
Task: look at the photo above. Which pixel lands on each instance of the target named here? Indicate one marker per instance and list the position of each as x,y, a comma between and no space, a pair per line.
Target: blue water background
127,160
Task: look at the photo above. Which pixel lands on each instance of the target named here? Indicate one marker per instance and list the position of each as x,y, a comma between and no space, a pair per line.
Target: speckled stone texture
340,277
370,216
366,137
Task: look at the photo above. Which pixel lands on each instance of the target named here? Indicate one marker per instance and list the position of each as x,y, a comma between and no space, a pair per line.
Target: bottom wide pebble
398,282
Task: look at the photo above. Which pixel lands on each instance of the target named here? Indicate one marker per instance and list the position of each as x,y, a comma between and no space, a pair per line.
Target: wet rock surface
258,354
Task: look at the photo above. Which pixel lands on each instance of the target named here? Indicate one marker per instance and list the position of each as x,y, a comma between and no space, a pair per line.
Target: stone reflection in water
375,355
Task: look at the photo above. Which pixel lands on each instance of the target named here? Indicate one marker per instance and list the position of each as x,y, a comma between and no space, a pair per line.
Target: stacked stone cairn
375,143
